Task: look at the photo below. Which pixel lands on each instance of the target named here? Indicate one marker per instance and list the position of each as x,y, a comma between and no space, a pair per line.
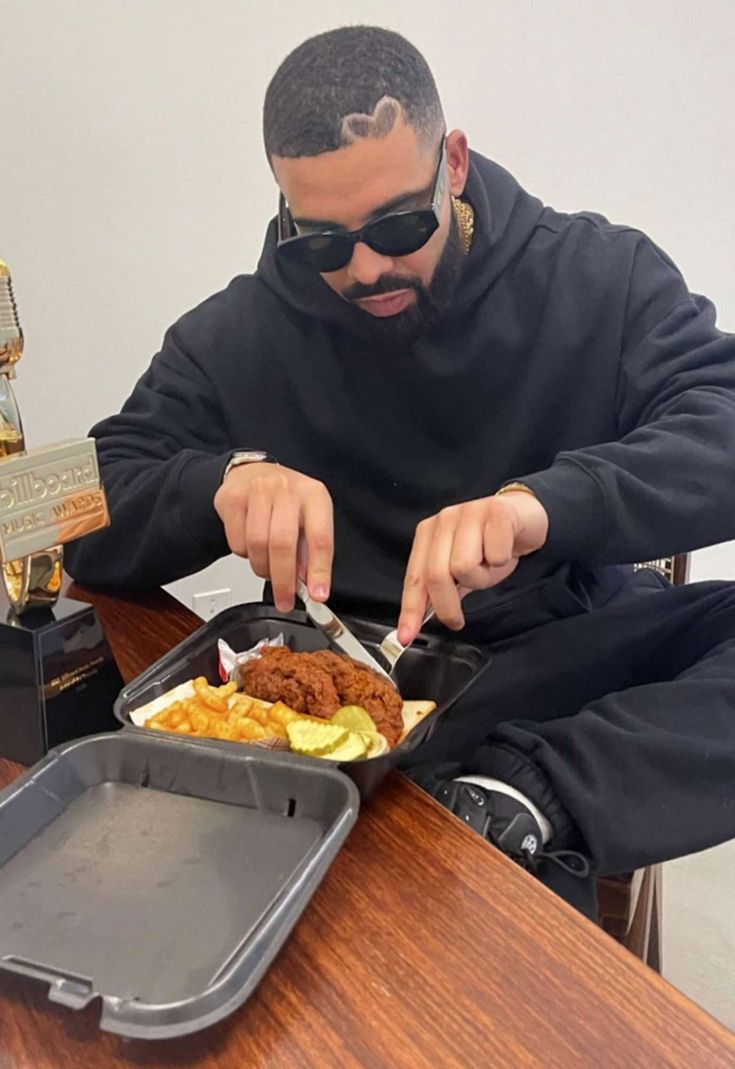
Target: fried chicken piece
357,684
294,678
320,683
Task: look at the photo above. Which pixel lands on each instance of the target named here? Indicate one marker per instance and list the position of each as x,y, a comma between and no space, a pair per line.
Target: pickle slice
354,718
315,740
352,749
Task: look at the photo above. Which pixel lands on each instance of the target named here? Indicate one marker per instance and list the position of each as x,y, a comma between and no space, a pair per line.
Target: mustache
386,284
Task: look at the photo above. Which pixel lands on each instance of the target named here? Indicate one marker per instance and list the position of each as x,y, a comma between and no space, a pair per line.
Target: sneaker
506,823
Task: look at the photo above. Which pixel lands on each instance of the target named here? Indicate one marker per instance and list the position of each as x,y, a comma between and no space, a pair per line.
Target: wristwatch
247,456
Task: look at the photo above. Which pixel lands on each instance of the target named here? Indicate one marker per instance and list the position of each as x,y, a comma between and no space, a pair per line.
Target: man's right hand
279,520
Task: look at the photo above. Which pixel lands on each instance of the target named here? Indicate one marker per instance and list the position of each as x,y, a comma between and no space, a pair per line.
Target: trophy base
58,678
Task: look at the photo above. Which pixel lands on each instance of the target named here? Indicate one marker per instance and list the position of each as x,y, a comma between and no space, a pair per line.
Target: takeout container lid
160,873
161,876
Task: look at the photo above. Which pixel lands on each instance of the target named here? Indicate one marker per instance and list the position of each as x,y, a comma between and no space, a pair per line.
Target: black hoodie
572,357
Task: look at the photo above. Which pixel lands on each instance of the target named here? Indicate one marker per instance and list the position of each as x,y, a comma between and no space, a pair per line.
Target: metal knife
337,632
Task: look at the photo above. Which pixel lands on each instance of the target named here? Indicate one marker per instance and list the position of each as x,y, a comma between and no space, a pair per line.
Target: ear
458,161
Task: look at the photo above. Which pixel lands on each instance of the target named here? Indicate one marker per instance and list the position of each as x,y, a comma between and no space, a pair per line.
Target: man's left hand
472,546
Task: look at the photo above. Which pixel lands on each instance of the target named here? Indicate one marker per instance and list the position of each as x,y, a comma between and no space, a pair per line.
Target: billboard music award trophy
58,678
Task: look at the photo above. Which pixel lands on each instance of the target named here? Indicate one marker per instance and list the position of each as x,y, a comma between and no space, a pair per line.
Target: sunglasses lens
400,235
321,252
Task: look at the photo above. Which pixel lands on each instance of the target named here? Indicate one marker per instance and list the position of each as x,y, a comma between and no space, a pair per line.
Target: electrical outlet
210,602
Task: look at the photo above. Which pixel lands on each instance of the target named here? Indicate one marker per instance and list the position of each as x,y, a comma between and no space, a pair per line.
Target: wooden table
424,948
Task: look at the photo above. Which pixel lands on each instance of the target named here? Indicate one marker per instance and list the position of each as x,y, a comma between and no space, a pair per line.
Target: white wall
133,183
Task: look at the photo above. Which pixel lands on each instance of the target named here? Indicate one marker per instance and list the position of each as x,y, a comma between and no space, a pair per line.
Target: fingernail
404,635
320,592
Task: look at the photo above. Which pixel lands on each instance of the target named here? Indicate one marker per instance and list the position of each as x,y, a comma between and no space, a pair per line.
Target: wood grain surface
424,947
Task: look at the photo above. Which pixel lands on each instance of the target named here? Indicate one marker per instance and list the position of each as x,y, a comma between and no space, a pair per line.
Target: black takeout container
432,668
161,874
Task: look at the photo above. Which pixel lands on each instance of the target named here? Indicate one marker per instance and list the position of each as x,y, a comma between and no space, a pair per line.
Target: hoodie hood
505,219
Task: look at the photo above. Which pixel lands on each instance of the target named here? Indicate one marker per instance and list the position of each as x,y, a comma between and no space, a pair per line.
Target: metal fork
392,650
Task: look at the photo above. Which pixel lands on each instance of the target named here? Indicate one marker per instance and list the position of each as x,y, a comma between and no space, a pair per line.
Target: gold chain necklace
465,217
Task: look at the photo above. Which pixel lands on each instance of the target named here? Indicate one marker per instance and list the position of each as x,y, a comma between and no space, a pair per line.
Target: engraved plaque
49,496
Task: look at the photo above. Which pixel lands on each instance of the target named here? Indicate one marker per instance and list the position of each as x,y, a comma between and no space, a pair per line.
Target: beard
424,314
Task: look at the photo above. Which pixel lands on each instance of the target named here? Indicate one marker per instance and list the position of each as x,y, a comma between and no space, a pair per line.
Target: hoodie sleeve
666,484
161,460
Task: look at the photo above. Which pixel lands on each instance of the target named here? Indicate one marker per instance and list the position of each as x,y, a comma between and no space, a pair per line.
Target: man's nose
367,265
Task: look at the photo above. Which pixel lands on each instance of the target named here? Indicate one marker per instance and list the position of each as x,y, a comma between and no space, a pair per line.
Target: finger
467,557
319,535
479,578
260,507
415,598
301,557
234,519
439,579
497,541
282,544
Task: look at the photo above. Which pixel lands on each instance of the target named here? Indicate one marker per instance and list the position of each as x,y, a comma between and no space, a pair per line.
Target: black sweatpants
618,722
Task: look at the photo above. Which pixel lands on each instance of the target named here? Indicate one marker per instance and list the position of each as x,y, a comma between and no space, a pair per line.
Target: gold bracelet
513,488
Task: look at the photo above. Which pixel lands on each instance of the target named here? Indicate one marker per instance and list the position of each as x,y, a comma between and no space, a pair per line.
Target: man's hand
473,545
274,515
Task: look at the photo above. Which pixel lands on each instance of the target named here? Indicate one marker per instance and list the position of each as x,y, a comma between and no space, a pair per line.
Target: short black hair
348,83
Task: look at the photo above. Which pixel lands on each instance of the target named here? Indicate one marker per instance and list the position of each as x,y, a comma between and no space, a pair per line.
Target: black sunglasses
397,234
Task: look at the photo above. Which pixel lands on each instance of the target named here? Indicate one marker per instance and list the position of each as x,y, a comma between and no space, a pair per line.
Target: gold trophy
58,678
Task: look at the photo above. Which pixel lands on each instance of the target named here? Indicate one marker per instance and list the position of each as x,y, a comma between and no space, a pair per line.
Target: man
467,393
